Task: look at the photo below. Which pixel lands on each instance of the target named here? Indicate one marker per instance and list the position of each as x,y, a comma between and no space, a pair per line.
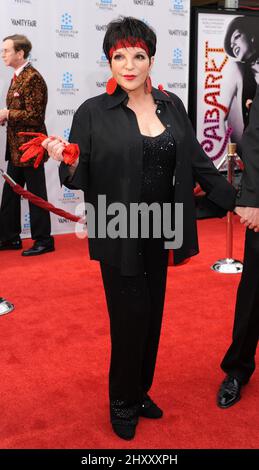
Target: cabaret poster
226,76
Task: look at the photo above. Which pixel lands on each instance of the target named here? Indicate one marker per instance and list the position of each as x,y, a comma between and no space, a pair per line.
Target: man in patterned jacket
26,104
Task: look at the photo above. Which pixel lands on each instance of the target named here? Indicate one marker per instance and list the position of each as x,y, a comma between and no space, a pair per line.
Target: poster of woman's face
227,76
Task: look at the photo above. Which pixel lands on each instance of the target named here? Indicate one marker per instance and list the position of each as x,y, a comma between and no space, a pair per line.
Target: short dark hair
20,43
245,24
127,28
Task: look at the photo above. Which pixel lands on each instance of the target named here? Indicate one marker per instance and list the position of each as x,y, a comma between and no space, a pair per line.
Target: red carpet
55,354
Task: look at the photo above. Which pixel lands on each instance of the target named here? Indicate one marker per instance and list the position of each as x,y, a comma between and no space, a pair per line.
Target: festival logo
26,228
66,133
106,5
145,21
69,196
102,62
177,56
66,29
178,62
178,7
67,85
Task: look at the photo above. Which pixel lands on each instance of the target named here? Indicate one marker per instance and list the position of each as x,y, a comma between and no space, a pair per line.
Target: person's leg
39,218
128,306
239,360
156,263
10,228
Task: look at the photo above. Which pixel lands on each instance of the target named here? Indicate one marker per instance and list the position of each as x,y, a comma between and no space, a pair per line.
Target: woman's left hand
55,146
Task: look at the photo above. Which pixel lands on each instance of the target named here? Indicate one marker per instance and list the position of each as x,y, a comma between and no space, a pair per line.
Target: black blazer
248,194
111,164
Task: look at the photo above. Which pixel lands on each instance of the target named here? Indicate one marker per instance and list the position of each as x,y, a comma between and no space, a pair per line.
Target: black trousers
135,305
11,204
240,357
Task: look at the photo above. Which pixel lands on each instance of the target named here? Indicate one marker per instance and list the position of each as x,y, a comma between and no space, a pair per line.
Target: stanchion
229,265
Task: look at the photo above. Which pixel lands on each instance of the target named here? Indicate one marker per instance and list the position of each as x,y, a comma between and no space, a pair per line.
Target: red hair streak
130,42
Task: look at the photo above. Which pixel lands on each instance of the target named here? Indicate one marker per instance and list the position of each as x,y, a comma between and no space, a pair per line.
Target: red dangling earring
148,85
161,88
111,86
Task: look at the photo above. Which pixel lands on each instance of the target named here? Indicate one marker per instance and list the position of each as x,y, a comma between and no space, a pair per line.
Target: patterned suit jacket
26,100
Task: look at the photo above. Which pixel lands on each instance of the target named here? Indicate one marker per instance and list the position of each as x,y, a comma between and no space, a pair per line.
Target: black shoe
11,245
229,392
123,429
124,418
39,248
149,409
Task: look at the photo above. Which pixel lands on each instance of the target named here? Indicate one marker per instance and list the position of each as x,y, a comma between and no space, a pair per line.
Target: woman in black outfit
137,145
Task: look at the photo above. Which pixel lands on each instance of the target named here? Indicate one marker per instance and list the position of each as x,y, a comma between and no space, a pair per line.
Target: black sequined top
159,155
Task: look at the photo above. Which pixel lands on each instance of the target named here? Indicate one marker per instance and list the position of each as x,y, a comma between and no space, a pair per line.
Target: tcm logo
66,22
145,21
102,62
26,223
177,56
67,81
177,61
177,5
66,28
106,4
66,133
67,86
69,196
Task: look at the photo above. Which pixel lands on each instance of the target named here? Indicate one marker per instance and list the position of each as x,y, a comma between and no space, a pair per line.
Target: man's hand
4,113
240,211
249,216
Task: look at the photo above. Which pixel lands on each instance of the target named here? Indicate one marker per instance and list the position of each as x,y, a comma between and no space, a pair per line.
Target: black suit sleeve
80,134
249,190
218,190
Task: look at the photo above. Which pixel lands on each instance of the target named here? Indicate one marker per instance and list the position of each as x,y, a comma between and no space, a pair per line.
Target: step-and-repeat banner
67,40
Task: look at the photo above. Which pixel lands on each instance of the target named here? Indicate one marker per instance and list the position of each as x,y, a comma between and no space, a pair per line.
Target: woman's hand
55,146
